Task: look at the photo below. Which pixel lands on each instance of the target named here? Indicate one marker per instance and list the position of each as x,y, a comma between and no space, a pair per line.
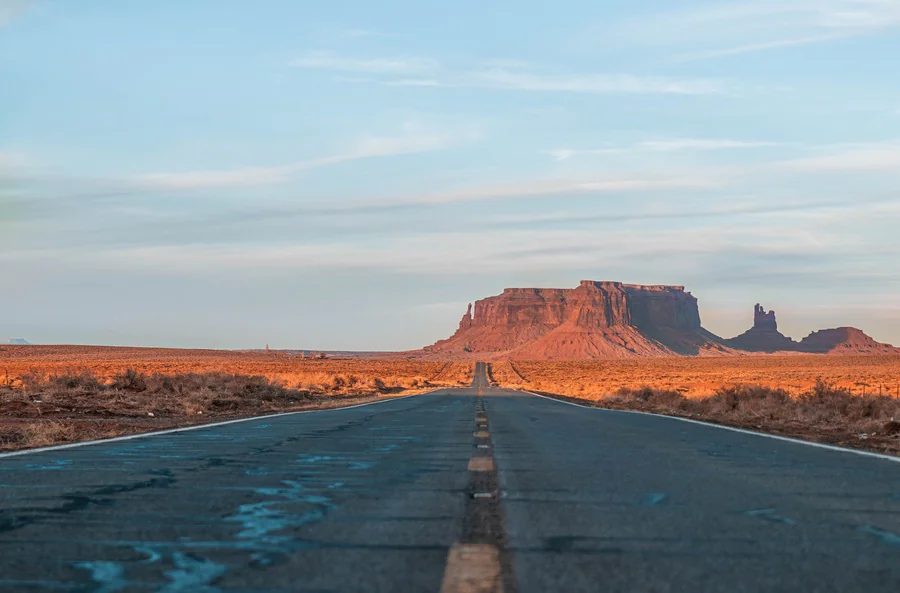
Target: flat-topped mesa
595,319
592,304
618,320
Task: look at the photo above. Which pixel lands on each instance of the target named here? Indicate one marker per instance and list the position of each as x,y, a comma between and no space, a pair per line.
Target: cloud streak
594,83
810,240
733,28
662,145
326,60
12,160
878,156
413,138
426,72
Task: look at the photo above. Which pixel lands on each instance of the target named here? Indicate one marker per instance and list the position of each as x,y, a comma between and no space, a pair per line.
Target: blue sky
348,175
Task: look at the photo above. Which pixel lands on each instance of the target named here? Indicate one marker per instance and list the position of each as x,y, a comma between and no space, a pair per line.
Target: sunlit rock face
617,320
596,319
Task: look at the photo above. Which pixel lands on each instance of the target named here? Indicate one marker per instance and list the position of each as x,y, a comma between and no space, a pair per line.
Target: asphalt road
374,498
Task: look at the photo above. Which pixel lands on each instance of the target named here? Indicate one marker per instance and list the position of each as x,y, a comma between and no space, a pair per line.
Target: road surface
458,490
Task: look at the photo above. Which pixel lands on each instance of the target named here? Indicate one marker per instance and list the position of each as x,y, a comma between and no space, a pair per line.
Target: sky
348,175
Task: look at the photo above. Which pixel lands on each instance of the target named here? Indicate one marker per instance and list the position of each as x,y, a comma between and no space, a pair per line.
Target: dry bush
132,393
838,399
823,410
98,392
330,375
46,432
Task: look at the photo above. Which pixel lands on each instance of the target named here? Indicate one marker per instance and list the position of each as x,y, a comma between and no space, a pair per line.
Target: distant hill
844,340
18,342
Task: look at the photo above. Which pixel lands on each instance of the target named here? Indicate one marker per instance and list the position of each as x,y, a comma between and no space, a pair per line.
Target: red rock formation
466,322
763,320
616,320
844,340
596,319
764,335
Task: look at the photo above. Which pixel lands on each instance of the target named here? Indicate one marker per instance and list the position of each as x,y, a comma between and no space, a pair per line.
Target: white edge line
731,428
144,435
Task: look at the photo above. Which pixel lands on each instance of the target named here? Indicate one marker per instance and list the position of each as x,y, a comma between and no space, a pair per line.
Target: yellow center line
472,568
481,464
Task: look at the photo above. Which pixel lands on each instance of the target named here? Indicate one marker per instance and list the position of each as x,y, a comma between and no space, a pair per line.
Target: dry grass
52,395
700,377
325,376
818,398
134,394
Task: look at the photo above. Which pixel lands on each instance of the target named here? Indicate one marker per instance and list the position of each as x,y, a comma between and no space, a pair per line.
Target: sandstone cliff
617,320
596,319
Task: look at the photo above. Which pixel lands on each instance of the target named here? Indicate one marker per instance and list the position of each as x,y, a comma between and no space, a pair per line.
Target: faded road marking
472,568
481,464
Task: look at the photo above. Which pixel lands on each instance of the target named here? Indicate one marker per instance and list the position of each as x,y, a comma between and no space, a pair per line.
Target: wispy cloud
793,241
734,206
12,160
326,60
358,33
877,156
717,29
595,83
534,188
507,75
10,9
662,145
414,138
756,47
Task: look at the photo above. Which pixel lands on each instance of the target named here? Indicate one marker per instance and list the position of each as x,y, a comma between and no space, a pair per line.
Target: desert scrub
131,393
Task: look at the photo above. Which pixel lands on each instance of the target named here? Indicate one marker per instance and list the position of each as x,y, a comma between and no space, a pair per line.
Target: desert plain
61,394
58,394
